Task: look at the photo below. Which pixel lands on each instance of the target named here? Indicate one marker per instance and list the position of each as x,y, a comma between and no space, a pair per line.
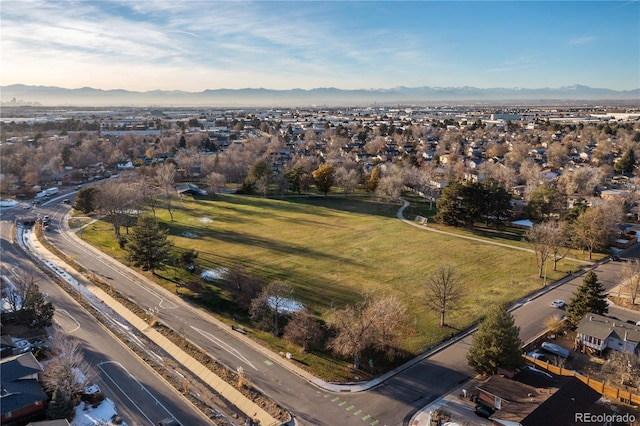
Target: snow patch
213,274
284,305
8,203
87,415
206,220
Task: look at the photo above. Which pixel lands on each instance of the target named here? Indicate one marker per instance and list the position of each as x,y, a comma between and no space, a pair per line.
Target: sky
198,45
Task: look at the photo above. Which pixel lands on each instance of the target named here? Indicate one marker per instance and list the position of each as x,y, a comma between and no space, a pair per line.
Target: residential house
597,332
21,396
533,397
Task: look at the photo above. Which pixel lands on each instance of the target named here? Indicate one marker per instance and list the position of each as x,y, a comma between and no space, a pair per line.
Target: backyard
332,249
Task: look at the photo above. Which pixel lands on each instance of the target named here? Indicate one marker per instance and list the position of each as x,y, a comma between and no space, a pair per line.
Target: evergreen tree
85,200
495,201
590,297
458,205
37,311
294,177
626,163
496,343
59,407
147,245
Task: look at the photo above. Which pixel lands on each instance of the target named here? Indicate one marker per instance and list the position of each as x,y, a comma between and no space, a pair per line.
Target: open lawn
331,249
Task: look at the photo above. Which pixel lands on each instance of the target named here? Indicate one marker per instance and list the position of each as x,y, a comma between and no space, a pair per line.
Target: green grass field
331,249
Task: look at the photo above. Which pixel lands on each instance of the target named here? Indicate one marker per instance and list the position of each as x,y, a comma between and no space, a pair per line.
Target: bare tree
580,181
374,322
273,301
623,368
631,280
530,171
558,239
443,290
115,200
216,181
14,293
303,330
391,323
241,285
166,176
593,227
554,323
390,187
353,331
68,372
347,179
538,236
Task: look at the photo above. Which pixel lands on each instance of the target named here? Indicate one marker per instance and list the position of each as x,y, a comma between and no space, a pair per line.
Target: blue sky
198,45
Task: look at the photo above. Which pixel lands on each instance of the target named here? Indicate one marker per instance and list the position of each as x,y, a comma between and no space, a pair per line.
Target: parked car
484,411
558,303
536,354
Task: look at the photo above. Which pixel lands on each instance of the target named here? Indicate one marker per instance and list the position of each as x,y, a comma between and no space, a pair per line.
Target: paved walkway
227,391
460,409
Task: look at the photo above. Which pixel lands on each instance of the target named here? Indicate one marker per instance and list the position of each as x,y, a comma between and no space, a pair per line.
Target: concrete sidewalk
227,391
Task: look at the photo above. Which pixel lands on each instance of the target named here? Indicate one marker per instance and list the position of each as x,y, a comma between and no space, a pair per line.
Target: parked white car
558,303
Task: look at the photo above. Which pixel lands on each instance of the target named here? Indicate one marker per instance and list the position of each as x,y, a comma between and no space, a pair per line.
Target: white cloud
582,40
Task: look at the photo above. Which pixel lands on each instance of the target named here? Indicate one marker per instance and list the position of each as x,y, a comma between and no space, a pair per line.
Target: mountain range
20,94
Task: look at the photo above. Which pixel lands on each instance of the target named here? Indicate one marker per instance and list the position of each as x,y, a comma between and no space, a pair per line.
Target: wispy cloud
582,40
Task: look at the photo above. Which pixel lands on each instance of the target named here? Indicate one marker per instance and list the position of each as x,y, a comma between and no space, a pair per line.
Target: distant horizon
200,45
261,97
325,88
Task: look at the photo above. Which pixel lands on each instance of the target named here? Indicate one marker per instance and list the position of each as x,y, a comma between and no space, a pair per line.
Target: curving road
391,402
140,395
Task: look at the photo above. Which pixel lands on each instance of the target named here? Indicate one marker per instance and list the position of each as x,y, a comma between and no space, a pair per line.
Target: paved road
140,396
390,403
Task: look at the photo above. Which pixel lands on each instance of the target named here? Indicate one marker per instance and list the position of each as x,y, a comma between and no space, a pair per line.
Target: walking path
405,204
452,401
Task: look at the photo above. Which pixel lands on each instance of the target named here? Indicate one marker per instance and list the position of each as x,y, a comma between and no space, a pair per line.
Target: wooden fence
625,396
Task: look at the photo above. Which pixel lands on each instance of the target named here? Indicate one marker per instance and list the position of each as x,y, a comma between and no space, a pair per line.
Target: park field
332,249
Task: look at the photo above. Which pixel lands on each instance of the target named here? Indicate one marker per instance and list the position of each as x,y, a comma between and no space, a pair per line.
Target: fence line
626,396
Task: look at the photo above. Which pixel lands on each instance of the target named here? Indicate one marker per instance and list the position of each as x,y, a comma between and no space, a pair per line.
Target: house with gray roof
21,396
598,332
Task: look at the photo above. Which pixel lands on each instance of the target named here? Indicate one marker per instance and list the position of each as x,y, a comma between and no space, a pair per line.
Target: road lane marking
351,407
127,395
266,361
375,422
357,413
367,417
342,403
224,346
71,318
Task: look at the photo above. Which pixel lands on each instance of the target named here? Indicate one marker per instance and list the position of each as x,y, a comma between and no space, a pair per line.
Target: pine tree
85,200
626,163
496,343
59,407
147,245
589,297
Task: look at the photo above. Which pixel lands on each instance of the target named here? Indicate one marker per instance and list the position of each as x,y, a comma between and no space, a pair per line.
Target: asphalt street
140,395
390,403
